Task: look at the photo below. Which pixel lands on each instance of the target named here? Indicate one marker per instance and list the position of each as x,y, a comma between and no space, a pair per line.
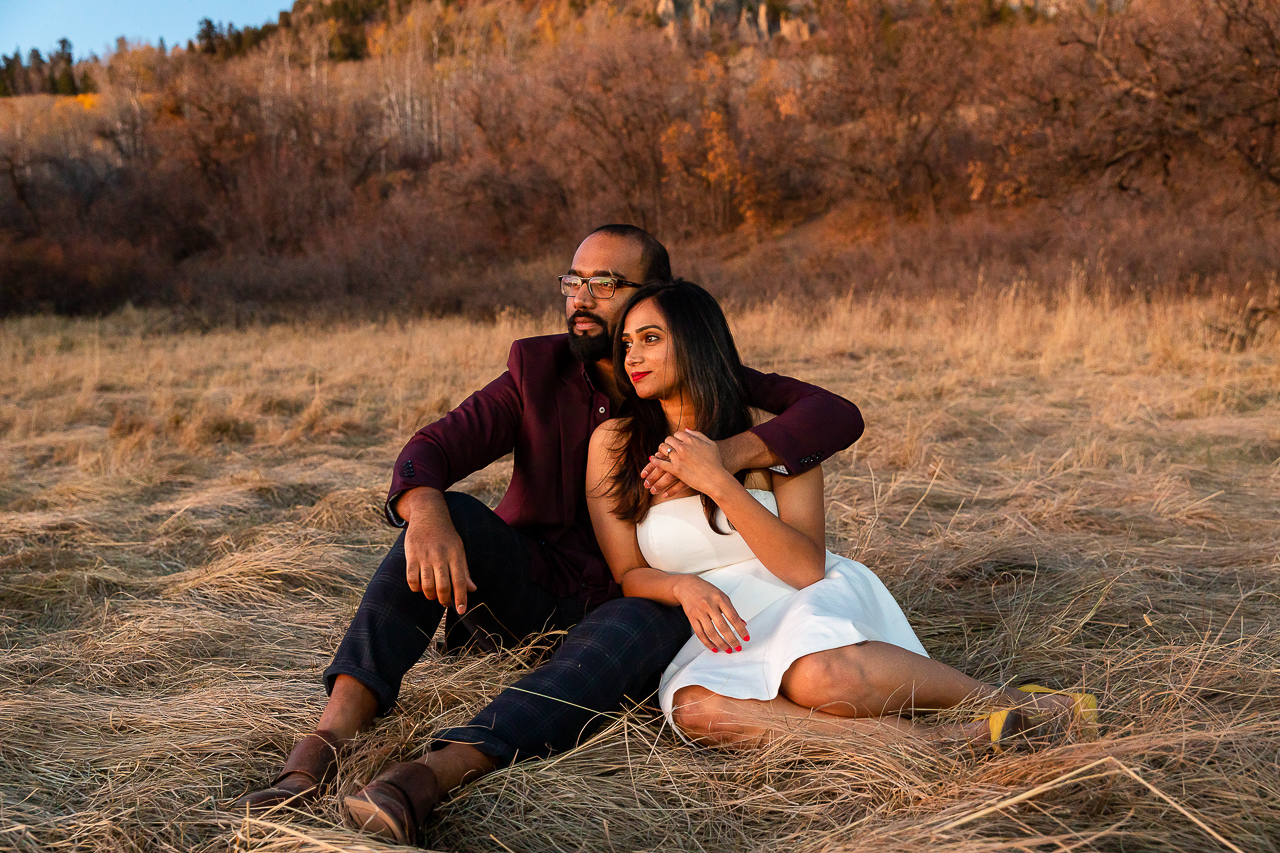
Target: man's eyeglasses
599,286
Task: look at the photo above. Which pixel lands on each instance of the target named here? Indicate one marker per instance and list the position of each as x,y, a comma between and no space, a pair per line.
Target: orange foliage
478,135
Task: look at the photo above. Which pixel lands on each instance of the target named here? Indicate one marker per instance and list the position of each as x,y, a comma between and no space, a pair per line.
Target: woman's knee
704,717
827,677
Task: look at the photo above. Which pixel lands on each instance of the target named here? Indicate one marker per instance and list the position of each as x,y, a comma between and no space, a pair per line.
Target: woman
788,637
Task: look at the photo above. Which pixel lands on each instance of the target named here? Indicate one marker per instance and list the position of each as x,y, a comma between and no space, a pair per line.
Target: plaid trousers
617,651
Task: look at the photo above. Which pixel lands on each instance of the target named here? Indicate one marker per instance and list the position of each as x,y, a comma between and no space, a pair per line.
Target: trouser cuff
483,740
383,692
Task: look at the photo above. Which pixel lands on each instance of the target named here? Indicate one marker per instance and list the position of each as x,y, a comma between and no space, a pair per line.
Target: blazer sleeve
812,424
478,432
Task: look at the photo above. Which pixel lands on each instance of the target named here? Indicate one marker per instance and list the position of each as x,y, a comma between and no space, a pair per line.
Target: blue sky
93,25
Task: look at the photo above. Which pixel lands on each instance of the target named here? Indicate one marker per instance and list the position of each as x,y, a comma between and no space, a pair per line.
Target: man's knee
494,550
631,624
467,512
486,537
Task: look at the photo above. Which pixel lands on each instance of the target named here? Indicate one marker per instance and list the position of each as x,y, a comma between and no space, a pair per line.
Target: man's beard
588,348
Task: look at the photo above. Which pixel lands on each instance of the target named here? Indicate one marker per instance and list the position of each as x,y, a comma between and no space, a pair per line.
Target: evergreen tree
65,82
37,76
209,37
62,80
11,72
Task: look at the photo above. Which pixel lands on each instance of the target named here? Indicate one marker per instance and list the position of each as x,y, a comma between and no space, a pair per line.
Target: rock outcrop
750,20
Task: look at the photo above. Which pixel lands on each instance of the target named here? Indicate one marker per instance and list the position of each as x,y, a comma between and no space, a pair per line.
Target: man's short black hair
657,263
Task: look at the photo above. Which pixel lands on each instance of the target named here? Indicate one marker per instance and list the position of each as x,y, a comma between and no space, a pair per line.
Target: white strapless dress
849,606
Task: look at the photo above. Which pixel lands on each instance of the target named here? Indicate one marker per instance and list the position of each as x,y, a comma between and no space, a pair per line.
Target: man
533,564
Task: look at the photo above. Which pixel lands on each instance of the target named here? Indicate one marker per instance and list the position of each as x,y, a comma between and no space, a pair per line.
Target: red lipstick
636,377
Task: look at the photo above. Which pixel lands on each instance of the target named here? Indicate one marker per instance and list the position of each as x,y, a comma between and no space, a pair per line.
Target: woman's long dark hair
709,371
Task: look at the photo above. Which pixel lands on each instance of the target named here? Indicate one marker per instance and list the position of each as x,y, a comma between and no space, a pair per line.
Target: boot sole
270,799
369,817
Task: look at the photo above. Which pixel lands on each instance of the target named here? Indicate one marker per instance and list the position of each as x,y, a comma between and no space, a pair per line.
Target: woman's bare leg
716,720
853,690
873,679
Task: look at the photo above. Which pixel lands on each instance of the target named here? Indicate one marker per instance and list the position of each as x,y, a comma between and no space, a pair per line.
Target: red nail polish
715,650
746,637
737,648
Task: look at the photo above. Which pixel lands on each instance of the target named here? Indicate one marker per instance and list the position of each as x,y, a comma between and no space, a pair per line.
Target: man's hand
662,482
711,614
739,452
694,459
436,564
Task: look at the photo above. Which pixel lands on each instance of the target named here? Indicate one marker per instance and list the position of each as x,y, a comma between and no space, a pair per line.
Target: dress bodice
675,536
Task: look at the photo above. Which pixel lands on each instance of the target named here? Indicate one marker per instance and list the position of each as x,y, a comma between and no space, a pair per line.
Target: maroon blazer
545,408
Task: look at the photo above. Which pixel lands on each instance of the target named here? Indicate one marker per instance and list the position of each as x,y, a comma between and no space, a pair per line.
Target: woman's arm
791,544
711,614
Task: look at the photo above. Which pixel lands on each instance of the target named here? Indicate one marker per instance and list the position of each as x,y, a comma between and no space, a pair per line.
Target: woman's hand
694,459
711,614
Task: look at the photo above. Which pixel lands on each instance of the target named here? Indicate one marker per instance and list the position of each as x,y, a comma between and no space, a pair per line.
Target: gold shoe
1084,708
1005,725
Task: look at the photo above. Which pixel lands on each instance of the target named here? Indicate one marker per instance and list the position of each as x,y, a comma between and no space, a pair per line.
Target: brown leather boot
312,763
396,803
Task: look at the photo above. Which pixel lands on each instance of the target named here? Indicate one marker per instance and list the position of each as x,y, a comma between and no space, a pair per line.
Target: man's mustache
580,314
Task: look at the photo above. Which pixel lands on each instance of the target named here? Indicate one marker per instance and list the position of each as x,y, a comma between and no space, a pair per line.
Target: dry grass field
1078,490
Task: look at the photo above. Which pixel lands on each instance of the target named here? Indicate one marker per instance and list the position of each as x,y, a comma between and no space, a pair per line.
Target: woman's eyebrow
642,328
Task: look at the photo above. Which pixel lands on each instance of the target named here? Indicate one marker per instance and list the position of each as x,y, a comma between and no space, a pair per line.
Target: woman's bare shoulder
610,429
607,447
610,436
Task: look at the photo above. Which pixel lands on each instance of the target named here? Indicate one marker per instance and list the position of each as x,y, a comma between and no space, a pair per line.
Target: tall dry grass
1075,489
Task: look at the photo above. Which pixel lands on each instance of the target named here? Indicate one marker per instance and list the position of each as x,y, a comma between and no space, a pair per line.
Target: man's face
591,320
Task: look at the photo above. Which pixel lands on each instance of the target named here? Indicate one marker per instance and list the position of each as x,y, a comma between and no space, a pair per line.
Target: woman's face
650,355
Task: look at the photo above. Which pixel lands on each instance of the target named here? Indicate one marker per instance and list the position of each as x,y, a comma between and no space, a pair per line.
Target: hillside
354,156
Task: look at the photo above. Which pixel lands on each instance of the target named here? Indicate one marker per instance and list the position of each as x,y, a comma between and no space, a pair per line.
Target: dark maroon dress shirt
545,408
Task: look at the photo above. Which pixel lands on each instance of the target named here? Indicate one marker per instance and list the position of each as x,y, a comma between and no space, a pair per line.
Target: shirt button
602,410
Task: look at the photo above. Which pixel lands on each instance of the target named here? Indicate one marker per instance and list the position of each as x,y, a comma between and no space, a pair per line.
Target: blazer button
407,469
